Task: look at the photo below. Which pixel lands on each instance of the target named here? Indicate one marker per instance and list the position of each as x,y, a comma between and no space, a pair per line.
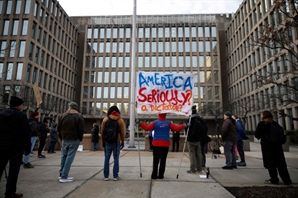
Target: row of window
160,61
148,47
123,77
152,32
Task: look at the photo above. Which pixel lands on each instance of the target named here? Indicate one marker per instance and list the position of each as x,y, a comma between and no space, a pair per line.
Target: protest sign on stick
161,92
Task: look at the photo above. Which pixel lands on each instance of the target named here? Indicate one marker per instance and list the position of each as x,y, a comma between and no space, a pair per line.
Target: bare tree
276,39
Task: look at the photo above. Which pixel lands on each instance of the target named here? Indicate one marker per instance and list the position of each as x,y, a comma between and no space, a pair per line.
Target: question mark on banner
189,93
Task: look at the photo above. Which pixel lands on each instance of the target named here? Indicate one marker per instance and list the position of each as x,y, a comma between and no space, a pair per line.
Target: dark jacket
95,134
53,133
241,134
229,130
198,134
34,126
14,130
115,116
43,130
272,153
71,125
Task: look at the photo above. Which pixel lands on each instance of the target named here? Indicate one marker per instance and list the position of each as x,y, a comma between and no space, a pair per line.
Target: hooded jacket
71,125
14,130
115,116
161,128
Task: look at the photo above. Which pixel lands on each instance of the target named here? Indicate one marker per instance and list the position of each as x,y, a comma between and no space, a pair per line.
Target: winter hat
33,114
227,113
194,109
15,101
73,105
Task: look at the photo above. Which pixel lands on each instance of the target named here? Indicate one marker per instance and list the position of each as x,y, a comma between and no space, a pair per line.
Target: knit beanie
15,101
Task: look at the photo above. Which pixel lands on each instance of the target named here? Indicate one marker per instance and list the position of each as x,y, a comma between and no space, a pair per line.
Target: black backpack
111,131
277,134
197,130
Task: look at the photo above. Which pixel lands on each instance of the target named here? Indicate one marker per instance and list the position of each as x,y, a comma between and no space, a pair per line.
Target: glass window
180,46
207,31
207,46
115,32
114,60
15,27
147,32
186,32
107,62
202,92
19,71
126,77
201,46
119,92
127,33
126,92
89,33
167,46
127,62
22,49
167,61
180,32
153,32
213,31
160,32
6,27
18,6
1,64
1,6
147,61
160,61
160,46
120,47
108,48
140,62
25,27
27,6
153,63
13,47
119,77
181,61
113,77
120,62
3,48
114,47
167,32
9,71
194,46
95,33
187,61
174,61
174,48
153,47
127,47
141,33
202,76
112,92
187,46
174,32
100,62
99,77
108,32
102,33
8,7
194,61
121,33
200,31
193,32
147,47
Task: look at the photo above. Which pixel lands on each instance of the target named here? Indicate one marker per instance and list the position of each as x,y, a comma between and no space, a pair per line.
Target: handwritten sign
159,92
37,93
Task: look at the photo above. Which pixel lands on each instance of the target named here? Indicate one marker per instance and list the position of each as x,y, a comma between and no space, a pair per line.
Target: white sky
147,7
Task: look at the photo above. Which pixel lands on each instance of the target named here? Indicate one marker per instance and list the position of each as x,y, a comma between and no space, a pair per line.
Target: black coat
273,154
95,134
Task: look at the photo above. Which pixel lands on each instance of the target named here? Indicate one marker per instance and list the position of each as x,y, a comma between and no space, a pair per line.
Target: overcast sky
147,7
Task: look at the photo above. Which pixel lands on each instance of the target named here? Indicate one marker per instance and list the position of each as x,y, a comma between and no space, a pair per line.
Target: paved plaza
42,180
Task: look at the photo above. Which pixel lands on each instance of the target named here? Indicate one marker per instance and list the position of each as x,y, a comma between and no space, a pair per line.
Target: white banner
159,92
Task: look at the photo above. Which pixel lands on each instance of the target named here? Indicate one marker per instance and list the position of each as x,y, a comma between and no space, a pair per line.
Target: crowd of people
19,135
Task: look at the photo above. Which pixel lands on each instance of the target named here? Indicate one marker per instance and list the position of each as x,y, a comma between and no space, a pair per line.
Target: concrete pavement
87,168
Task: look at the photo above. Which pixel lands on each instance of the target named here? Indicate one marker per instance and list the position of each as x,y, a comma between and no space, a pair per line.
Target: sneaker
116,179
106,179
191,172
269,182
28,165
241,164
66,180
227,167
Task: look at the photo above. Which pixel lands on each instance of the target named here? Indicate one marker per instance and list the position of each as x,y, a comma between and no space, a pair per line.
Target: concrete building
38,44
252,67
166,43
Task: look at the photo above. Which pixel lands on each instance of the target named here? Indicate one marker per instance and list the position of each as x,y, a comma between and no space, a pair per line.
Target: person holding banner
161,142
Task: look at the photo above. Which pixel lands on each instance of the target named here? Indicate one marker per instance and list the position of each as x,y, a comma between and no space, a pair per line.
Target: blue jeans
27,157
109,148
69,150
95,146
52,146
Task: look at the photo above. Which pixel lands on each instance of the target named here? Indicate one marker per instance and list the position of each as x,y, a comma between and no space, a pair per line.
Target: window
6,27
22,49
9,71
8,7
27,6
15,27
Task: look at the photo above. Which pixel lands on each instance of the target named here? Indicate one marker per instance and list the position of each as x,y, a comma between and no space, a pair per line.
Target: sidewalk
41,181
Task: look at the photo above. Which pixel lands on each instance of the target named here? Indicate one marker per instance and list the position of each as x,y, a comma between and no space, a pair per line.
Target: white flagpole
133,79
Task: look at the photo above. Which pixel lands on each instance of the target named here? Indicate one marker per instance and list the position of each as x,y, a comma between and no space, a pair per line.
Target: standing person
112,132
204,148
176,138
194,136
150,137
161,142
95,136
229,138
70,129
34,132
273,154
241,135
43,133
53,139
14,139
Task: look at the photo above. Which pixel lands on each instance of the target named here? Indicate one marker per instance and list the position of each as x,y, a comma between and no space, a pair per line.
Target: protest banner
37,93
161,92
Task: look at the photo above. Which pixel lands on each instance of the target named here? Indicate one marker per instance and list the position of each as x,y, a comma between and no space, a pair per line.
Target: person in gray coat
229,138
